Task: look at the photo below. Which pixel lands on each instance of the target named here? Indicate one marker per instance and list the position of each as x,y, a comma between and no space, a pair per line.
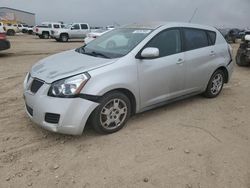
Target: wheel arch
225,71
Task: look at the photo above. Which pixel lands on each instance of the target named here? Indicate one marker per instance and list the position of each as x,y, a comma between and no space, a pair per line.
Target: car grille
30,110
36,85
52,118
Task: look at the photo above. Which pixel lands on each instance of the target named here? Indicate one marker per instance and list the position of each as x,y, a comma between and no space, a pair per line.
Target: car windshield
116,43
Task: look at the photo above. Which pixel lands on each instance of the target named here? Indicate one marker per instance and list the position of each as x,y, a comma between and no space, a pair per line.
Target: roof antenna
195,11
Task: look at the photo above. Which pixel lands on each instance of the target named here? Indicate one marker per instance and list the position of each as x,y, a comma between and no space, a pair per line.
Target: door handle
212,53
180,61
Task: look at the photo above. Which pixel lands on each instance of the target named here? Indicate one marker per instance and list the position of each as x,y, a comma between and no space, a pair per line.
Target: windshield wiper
95,54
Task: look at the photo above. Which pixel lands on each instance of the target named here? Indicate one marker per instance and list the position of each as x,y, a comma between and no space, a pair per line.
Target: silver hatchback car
126,71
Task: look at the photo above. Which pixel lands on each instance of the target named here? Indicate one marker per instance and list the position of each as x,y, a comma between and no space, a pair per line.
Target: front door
162,78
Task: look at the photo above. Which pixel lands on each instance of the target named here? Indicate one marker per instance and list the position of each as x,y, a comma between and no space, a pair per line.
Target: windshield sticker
142,31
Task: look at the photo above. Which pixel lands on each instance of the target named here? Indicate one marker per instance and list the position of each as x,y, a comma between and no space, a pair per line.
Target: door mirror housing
150,53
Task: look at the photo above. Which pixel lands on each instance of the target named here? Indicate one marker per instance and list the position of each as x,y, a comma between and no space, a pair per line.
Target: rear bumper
4,45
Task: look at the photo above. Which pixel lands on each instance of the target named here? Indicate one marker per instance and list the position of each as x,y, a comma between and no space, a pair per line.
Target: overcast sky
219,13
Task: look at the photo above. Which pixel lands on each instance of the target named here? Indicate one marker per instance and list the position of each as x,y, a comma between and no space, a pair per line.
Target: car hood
66,64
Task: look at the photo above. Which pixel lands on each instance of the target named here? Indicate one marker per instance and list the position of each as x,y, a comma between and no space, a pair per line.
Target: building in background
10,15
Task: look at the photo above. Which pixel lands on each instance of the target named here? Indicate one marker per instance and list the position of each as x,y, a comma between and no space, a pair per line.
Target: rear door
200,55
84,30
75,31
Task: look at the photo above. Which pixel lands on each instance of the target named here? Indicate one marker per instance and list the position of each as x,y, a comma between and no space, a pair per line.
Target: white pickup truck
44,31
11,29
72,31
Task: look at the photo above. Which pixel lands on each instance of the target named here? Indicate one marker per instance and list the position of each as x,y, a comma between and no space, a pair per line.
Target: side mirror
150,53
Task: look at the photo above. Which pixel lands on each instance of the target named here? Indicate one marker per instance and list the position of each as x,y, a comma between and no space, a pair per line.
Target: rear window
211,37
195,39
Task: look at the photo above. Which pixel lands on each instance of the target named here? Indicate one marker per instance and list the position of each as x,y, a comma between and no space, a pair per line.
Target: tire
58,40
241,60
112,113
30,32
40,36
45,35
64,38
11,32
215,84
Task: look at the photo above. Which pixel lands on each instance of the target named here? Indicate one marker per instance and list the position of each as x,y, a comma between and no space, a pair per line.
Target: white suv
72,31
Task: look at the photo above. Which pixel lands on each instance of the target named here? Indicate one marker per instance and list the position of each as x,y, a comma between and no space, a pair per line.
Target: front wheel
64,38
215,84
112,113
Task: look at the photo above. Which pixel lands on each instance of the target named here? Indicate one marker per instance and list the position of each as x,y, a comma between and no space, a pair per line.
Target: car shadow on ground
89,132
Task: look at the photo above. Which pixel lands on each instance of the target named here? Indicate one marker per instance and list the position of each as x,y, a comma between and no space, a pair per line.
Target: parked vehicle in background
44,31
233,35
22,28
2,28
243,54
126,71
10,29
72,31
4,43
93,35
110,27
30,30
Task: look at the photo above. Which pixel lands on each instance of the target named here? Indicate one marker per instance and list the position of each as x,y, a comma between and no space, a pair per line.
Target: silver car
126,71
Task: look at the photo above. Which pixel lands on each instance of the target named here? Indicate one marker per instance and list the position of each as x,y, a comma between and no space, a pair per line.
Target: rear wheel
11,32
112,113
45,35
215,84
64,38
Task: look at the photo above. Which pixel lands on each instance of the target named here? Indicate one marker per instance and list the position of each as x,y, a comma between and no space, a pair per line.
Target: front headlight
69,87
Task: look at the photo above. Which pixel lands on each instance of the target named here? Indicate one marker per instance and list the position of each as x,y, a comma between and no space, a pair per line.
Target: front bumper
4,45
74,112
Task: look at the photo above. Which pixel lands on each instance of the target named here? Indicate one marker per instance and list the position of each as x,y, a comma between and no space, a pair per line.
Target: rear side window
84,26
195,39
211,37
56,26
168,42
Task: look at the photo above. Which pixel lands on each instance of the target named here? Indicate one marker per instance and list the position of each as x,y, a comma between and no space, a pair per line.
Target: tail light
37,30
2,36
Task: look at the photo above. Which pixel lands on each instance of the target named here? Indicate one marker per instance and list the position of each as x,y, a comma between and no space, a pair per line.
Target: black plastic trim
93,98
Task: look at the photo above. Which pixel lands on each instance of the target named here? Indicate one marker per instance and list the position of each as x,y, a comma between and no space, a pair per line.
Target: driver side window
75,27
168,42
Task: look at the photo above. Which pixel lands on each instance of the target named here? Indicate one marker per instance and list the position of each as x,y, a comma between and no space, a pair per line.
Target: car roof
156,25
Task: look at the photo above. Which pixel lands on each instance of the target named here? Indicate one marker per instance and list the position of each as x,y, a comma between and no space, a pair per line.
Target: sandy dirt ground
195,143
